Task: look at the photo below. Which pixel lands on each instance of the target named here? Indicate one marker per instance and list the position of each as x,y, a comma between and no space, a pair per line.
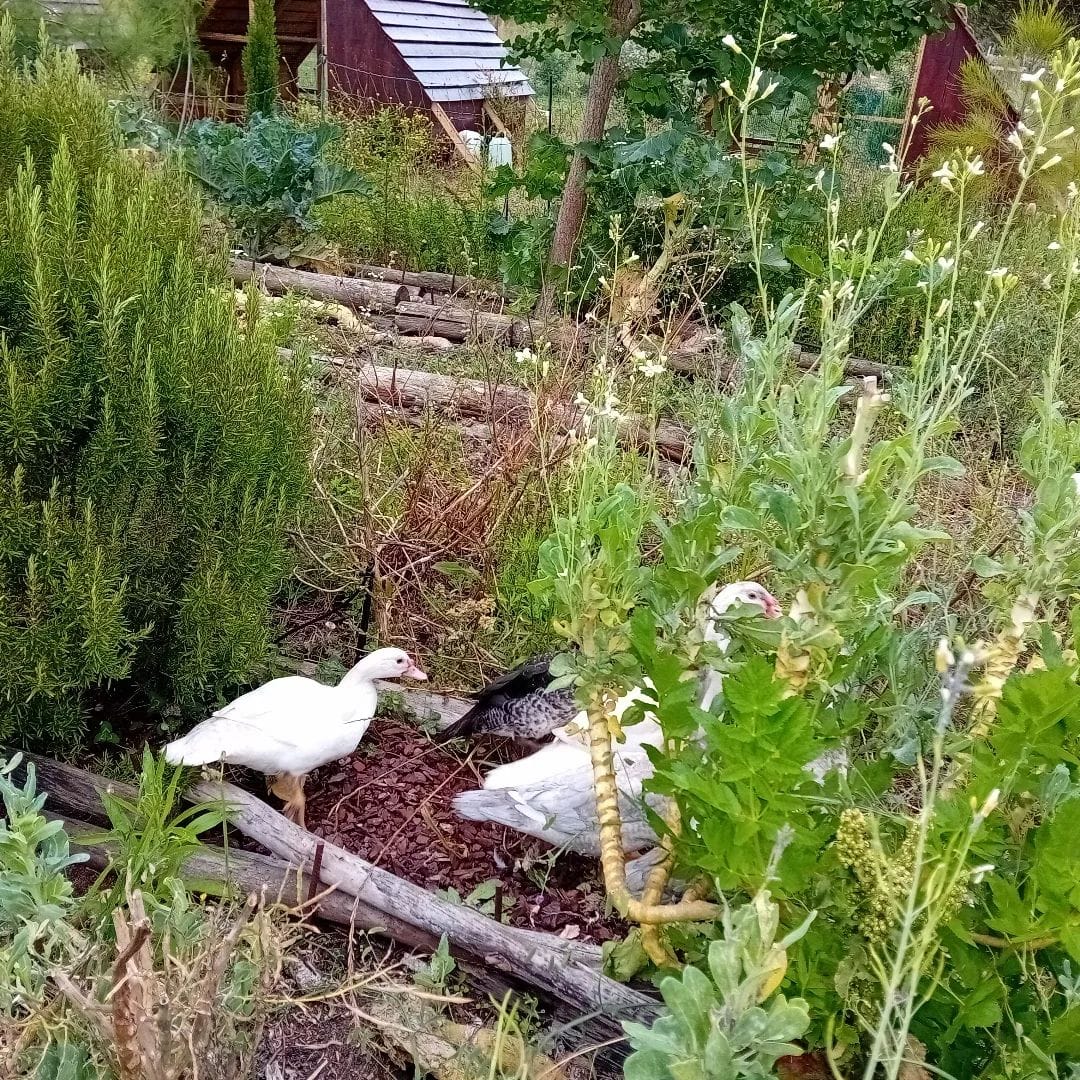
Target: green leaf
806,259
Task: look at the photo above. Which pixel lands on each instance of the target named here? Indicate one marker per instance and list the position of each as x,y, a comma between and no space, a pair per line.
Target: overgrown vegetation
865,864
154,451
261,61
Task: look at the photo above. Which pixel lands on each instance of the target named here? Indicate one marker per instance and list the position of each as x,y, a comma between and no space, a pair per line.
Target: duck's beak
413,672
772,607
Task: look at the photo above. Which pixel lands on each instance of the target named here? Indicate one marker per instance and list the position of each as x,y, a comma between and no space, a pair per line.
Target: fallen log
240,873
472,397
568,973
432,281
561,969
460,324
370,296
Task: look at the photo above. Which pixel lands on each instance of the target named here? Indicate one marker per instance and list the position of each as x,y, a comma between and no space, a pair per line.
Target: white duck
550,795
288,727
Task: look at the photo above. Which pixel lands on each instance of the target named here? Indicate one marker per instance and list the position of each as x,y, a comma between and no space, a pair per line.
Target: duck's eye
400,660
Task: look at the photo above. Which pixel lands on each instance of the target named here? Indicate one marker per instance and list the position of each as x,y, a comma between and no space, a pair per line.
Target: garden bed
391,804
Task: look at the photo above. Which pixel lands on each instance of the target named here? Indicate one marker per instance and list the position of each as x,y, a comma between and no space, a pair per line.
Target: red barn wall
938,81
362,62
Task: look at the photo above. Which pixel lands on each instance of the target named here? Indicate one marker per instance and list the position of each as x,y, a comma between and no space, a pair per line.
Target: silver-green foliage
717,1026
153,450
35,893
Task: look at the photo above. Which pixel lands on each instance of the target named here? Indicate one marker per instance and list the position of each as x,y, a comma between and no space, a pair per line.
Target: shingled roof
452,48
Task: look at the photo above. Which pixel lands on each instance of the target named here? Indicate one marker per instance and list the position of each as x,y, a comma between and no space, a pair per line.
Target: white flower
726,87
1053,246
888,148
768,90
946,264
943,309
998,274
945,175
755,82
652,367
1015,140
524,356
1033,76
990,805
788,36
975,167
980,308
1076,483
1066,133
731,43
909,256
581,400
830,141
980,872
976,229
1023,129
1059,85
1049,163
1048,282
943,656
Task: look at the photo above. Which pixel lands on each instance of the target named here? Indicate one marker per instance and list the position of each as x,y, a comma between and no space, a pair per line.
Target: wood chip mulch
390,803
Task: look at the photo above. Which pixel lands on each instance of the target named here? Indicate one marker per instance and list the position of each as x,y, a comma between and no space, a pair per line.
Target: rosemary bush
152,451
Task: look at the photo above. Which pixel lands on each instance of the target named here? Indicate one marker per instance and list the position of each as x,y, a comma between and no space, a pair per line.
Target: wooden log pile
387,298
340,887
408,387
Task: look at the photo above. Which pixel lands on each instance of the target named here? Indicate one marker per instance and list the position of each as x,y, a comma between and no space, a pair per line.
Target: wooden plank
462,64
492,114
459,6
431,10
241,39
440,35
482,30
482,77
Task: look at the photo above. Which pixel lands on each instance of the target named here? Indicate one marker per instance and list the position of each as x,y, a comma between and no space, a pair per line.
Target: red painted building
440,56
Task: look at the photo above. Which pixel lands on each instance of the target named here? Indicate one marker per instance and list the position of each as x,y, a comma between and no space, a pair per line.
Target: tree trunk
622,16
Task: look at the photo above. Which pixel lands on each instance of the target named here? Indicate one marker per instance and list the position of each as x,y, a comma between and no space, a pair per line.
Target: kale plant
271,173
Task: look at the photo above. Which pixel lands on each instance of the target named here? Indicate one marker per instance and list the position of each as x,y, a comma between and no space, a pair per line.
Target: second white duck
550,794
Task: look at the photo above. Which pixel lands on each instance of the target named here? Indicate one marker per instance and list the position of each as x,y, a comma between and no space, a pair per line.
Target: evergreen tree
261,60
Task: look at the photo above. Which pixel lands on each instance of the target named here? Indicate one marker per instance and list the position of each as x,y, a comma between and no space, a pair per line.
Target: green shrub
152,451
418,216
261,61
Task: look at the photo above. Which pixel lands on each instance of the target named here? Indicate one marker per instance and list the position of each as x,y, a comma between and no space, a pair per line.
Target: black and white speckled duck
516,705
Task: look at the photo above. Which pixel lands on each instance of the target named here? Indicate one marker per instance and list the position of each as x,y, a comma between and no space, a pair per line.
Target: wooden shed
440,56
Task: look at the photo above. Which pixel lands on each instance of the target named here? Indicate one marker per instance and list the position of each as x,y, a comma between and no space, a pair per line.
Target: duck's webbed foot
290,789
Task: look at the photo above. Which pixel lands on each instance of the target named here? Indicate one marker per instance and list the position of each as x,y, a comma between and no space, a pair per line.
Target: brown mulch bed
390,803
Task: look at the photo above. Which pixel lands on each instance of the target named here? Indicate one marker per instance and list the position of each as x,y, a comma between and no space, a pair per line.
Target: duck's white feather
549,794
291,725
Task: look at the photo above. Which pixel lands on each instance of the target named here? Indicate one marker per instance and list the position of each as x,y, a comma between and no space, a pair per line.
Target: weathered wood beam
374,296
